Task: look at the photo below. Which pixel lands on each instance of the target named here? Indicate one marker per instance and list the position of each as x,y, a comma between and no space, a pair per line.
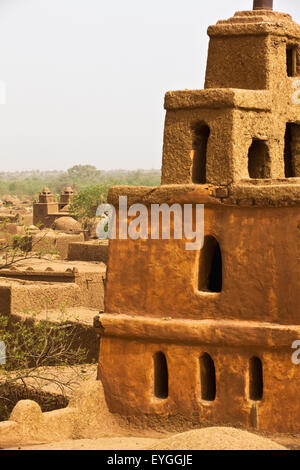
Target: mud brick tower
66,197
208,334
44,207
46,210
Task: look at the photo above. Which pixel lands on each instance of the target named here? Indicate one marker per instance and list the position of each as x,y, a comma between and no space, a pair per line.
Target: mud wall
261,272
5,300
88,251
133,392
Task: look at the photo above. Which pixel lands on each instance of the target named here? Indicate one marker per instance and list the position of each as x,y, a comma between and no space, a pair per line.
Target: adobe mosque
208,334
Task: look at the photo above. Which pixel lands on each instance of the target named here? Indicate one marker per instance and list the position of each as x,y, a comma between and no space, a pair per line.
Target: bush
30,347
84,204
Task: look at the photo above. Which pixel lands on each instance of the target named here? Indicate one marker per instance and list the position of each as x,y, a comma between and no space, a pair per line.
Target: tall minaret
263,5
256,50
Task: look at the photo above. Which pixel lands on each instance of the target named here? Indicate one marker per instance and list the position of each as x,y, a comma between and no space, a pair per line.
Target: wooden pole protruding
263,5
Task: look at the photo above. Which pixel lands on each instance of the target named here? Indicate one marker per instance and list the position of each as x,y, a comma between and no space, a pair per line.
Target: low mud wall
88,251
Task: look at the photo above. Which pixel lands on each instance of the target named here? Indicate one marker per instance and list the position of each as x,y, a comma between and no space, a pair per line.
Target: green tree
85,203
84,173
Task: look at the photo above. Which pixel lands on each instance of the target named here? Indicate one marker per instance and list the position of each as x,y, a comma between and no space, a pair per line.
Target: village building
207,335
47,209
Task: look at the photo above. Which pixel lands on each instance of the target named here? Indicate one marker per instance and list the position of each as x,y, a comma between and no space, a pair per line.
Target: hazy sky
86,78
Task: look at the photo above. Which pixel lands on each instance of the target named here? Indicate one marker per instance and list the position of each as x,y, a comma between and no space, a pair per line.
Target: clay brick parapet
88,251
49,275
211,332
269,194
26,295
256,22
218,98
171,193
30,289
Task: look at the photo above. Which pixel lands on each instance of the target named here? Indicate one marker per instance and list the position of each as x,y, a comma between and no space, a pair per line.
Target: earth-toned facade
207,335
47,209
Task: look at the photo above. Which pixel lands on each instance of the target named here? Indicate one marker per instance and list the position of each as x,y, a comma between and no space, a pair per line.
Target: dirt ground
212,438
215,438
108,443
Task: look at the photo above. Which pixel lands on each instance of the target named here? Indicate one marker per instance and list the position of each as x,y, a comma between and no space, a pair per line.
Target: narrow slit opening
292,150
256,379
291,61
201,134
207,378
161,378
210,274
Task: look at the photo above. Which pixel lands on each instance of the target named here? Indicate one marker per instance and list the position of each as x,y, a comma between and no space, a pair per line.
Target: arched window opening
200,140
210,276
291,60
161,376
256,379
292,150
207,378
259,164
